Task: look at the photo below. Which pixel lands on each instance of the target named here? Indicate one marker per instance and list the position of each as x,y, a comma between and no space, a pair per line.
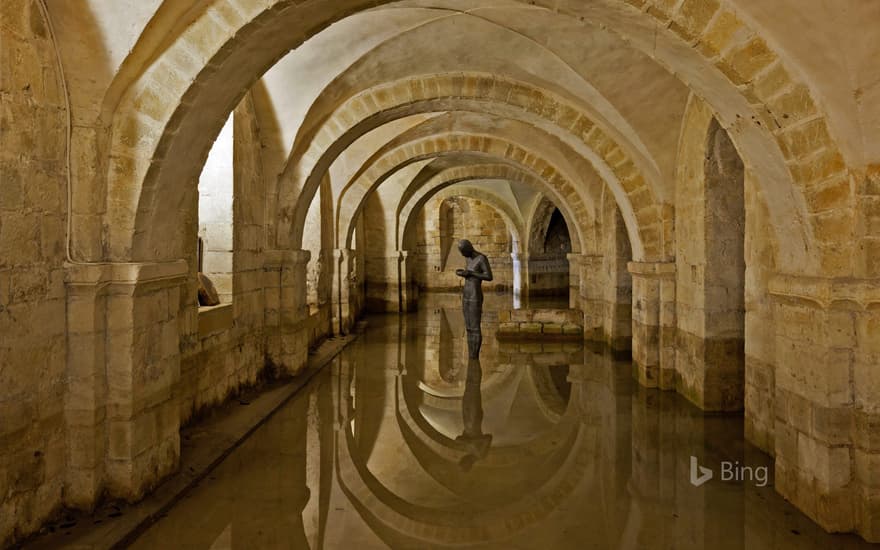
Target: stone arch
527,142
460,174
503,256
514,226
636,196
489,146
154,125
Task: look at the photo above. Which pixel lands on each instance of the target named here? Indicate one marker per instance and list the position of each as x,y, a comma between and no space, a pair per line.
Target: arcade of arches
696,181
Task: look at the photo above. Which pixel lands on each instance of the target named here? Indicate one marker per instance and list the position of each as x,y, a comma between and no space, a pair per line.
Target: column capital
659,270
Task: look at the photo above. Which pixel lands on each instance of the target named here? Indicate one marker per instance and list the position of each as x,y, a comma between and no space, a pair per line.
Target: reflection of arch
491,385
553,404
403,524
415,200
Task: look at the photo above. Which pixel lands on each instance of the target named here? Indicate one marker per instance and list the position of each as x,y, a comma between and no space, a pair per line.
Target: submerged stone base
541,324
710,372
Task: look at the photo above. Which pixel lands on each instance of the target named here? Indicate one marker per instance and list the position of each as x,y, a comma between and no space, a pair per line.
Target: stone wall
541,324
33,203
439,227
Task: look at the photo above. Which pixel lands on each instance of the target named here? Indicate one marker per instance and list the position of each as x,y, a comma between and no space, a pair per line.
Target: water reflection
404,443
472,417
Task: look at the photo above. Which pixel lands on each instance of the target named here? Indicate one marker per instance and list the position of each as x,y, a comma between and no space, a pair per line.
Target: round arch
456,175
511,218
477,93
159,125
492,148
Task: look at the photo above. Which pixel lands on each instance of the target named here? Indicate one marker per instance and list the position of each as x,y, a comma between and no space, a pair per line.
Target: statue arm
485,271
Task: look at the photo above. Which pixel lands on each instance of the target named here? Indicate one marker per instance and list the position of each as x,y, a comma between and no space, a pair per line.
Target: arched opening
548,265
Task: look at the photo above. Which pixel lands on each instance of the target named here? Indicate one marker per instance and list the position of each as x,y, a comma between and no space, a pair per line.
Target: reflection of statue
477,271
473,438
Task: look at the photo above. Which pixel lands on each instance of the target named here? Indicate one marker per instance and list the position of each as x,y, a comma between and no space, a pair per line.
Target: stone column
653,321
342,313
827,398
590,294
520,263
287,310
86,396
575,282
123,368
384,283
294,311
408,292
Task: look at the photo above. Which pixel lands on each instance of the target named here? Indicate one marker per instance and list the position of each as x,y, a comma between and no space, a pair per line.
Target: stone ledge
124,273
825,292
541,324
214,319
651,269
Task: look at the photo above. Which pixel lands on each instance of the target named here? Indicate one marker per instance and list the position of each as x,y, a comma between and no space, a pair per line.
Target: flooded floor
404,443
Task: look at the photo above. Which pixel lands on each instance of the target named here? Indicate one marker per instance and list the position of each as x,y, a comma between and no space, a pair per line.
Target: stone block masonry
541,324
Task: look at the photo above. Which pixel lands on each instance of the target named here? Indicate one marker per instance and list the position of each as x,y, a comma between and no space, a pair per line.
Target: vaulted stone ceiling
348,116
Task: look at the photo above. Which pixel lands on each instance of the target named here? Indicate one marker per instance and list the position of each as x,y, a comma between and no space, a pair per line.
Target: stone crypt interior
208,203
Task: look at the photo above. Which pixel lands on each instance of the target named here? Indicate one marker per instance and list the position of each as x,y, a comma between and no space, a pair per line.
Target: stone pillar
653,321
342,312
86,396
409,294
520,263
384,283
123,368
294,311
287,310
827,396
273,260
591,294
574,281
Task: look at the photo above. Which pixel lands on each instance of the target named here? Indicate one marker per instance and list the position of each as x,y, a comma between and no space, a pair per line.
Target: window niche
215,240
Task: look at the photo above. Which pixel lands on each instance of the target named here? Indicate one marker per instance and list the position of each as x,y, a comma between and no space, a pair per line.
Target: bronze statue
476,271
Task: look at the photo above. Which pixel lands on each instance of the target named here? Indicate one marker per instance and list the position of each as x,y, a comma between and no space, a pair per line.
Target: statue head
466,248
